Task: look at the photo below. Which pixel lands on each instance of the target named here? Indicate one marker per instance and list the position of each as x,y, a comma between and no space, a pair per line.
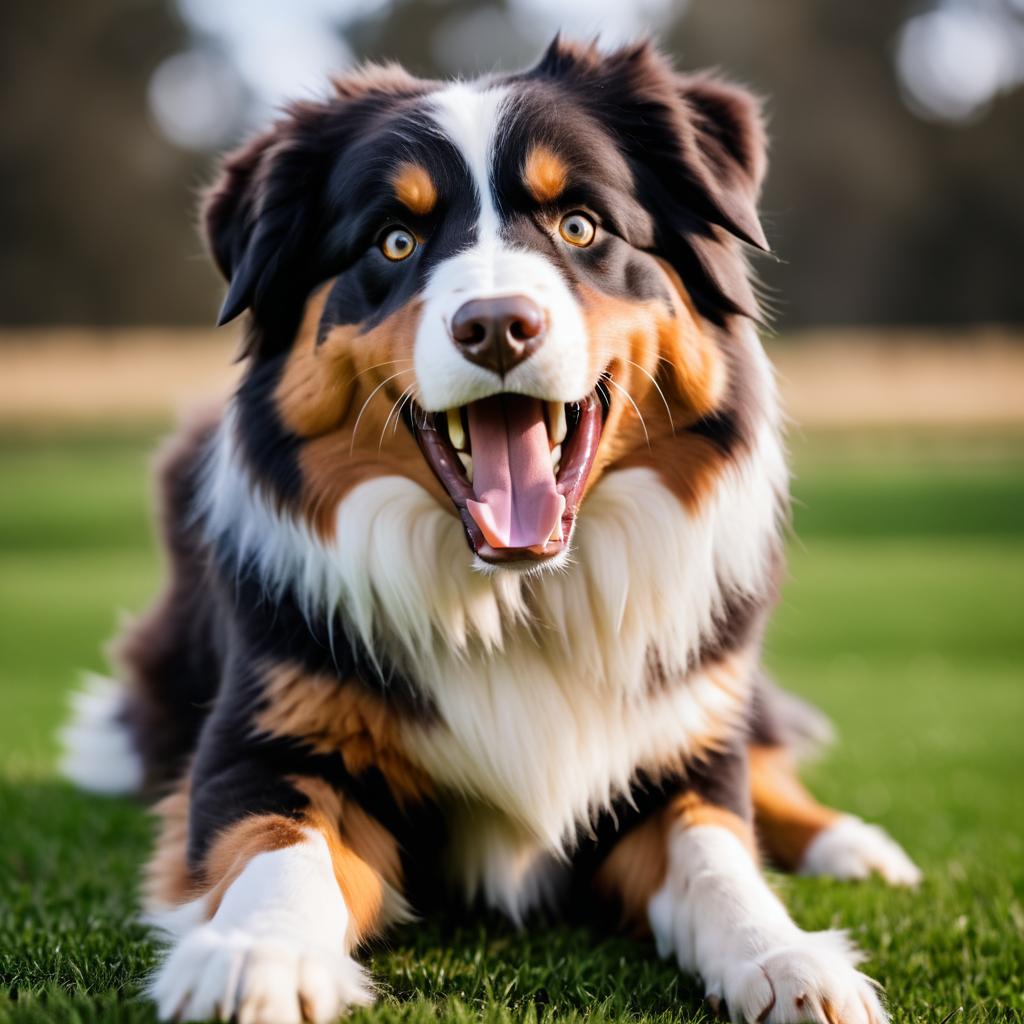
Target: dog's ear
259,215
264,216
696,146
229,217
728,158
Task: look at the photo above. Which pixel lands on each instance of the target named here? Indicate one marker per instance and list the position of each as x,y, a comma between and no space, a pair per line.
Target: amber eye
577,229
398,244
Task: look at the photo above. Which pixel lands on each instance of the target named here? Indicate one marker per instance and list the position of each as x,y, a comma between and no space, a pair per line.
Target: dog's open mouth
515,468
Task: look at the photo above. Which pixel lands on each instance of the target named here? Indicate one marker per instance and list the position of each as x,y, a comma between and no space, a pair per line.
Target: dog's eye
577,229
398,244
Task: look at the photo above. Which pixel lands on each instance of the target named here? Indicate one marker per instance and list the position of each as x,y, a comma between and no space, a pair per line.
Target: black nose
498,334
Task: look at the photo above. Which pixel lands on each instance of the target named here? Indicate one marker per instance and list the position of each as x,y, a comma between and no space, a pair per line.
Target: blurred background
895,195
895,207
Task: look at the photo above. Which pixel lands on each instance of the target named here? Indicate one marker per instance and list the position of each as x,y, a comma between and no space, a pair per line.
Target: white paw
718,916
812,979
217,974
853,849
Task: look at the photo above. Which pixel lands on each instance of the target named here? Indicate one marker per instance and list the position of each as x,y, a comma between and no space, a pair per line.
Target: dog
468,580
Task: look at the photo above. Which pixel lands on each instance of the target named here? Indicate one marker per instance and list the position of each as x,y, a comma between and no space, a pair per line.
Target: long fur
355,695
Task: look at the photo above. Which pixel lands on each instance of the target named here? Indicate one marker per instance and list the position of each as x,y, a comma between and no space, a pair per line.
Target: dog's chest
544,750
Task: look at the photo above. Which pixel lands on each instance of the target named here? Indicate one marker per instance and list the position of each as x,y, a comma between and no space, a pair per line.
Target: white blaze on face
471,117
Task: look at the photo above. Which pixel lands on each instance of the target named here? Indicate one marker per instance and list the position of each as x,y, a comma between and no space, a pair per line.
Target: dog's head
501,289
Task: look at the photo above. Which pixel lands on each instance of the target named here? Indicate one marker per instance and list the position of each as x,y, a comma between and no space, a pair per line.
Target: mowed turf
902,618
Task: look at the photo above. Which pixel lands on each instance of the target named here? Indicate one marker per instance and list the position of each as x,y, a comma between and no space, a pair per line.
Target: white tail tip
98,752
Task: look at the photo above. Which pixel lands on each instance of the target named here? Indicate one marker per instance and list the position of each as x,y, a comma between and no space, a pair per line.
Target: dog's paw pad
214,974
852,849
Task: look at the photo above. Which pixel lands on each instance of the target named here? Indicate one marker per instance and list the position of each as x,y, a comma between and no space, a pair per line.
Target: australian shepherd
467,581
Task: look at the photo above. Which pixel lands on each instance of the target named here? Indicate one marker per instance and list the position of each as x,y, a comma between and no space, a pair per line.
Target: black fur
670,165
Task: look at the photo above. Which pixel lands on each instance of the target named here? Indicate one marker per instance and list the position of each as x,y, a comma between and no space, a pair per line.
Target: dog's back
135,735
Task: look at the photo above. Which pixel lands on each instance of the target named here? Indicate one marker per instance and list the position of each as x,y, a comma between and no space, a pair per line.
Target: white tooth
467,464
556,421
556,456
556,533
456,434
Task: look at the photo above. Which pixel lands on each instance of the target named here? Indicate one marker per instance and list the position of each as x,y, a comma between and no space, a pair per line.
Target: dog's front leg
264,930
715,912
275,949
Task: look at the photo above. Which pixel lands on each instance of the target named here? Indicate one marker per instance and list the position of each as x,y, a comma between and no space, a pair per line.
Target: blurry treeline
879,215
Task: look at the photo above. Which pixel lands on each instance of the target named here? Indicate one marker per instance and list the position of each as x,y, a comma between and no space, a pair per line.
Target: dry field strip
829,378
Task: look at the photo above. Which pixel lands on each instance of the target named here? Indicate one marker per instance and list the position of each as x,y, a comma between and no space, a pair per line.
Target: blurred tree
879,217
96,206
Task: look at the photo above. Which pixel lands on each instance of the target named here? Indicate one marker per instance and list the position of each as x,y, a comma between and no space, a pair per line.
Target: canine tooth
556,421
556,456
556,533
467,464
456,434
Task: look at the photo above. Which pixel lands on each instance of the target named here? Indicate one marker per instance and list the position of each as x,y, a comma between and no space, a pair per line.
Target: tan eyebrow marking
545,174
413,188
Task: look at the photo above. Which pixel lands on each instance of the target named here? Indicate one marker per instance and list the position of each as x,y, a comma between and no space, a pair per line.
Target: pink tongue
517,505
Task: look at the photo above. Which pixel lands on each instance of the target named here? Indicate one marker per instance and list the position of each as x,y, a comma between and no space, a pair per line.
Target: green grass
903,619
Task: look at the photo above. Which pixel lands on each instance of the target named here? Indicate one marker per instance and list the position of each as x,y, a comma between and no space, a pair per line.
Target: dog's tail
99,751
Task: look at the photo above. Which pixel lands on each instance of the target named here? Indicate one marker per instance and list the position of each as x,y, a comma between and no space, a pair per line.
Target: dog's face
500,289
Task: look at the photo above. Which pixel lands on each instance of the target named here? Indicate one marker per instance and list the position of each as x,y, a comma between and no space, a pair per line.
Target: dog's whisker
396,407
629,398
370,369
651,378
369,398
408,398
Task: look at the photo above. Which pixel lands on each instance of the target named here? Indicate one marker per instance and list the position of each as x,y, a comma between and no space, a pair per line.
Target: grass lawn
904,619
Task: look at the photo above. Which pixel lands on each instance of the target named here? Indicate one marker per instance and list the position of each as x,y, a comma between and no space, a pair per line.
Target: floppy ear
229,216
728,158
266,215
260,215
696,146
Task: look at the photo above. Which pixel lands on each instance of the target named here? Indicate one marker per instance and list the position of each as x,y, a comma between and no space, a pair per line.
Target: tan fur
331,468
688,465
634,871
238,844
326,382
342,397
691,810
831,1013
788,817
316,387
364,855
635,868
670,367
414,188
692,350
662,356
545,174
341,718
167,880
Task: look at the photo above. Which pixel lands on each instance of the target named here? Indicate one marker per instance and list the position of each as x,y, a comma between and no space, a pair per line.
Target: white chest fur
531,752
548,747
541,683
